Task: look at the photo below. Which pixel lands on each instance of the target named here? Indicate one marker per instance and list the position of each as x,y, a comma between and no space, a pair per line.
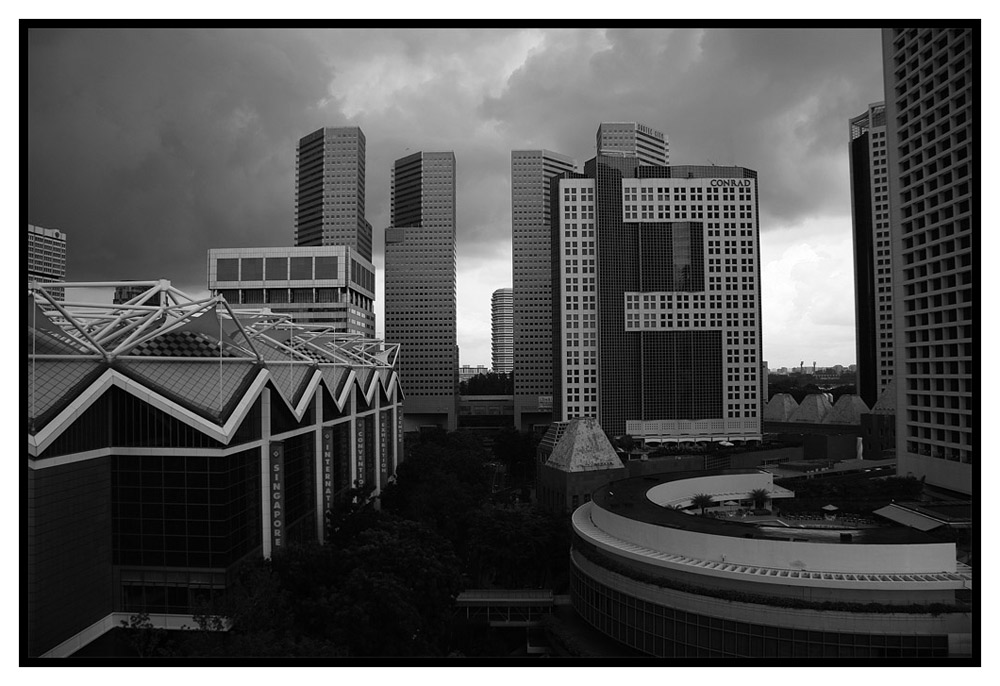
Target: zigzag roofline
41,440
131,331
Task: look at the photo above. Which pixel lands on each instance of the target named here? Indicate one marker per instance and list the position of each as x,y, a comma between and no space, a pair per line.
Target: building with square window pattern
656,277
332,285
930,90
47,256
421,281
872,252
531,224
330,190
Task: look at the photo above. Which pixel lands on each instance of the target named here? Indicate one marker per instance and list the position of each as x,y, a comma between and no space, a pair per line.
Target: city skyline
207,158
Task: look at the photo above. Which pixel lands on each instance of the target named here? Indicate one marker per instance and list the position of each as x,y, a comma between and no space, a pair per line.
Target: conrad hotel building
656,273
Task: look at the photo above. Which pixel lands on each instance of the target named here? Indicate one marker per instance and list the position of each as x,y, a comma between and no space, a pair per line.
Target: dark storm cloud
147,147
775,101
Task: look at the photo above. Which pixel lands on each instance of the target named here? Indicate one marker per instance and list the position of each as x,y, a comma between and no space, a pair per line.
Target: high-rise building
872,252
657,300
330,285
330,190
631,139
47,256
530,172
930,76
420,286
503,330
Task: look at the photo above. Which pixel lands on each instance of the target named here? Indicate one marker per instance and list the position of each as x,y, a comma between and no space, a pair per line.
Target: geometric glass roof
199,353
208,388
52,381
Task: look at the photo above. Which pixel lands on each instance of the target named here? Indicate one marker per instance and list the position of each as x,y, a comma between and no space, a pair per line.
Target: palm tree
702,500
759,497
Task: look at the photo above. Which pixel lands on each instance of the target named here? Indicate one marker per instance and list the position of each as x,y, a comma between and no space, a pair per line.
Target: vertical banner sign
277,494
360,454
327,470
399,437
383,445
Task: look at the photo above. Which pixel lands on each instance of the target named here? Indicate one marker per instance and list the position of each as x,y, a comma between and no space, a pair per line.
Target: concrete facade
872,252
420,287
631,139
502,311
930,86
330,190
657,329
47,256
323,285
531,229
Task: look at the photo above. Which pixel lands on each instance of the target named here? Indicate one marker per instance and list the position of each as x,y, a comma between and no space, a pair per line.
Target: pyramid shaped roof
780,408
552,436
886,403
813,409
583,447
848,410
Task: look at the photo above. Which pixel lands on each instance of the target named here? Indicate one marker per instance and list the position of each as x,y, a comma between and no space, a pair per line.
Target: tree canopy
491,383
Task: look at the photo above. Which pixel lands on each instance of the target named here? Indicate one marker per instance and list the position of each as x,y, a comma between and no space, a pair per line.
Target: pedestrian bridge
506,608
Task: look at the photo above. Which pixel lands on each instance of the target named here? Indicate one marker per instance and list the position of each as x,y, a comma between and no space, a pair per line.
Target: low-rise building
171,438
670,583
330,285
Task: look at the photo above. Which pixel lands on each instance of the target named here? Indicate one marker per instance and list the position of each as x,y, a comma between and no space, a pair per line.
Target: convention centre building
668,582
170,438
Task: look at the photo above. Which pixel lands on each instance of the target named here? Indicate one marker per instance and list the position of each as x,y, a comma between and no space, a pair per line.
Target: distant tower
420,287
47,257
631,139
503,330
530,172
872,252
330,190
931,77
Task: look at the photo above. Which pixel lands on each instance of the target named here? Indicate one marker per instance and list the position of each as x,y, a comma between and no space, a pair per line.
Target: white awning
914,520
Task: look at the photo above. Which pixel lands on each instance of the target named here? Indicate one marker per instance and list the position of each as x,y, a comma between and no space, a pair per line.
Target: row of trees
385,582
445,483
491,383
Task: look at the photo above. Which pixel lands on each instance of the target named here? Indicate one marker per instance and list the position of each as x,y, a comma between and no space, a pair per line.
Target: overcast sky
147,147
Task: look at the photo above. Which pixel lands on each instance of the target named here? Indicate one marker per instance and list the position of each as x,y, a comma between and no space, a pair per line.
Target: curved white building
673,584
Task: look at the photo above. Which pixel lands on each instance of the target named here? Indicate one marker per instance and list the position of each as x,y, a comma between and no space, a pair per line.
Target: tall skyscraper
657,278
933,174
530,172
330,190
420,287
872,252
503,330
631,139
47,256
330,285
